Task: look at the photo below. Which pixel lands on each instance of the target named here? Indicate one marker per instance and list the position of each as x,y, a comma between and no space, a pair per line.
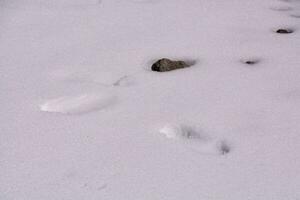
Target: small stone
164,65
284,31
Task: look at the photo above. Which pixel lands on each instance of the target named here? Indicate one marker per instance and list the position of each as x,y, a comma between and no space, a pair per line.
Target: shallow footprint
251,60
194,140
77,104
295,15
145,1
281,8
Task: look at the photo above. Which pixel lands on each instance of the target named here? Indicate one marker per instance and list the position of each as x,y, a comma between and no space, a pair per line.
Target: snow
194,140
77,104
84,117
179,132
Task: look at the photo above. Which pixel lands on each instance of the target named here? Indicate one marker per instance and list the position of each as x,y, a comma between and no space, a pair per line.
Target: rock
284,31
164,65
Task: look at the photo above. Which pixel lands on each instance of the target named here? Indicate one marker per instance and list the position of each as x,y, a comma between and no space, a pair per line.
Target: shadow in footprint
250,61
281,8
287,1
295,15
284,31
195,140
180,132
224,148
145,1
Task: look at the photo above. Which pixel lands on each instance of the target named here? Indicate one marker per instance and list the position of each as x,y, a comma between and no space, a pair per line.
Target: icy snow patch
77,104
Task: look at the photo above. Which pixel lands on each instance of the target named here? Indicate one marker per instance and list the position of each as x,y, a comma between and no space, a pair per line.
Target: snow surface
219,130
78,104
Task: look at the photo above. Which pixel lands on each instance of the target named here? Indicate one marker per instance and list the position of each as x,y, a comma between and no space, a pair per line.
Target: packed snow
84,117
78,104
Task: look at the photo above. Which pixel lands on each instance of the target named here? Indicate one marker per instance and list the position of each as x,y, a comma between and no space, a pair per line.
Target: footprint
250,61
284,31
145,1
197,142
179,132
281,8
295,15
77,104
290,1
224,147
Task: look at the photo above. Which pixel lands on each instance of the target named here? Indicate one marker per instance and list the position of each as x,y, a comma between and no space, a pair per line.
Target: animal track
284,31
295,15
251,61
281,8
179,132
145,1
224,147
194,140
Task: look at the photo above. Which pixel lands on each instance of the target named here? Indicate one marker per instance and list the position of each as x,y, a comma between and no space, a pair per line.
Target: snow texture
193,138
78,104
83,117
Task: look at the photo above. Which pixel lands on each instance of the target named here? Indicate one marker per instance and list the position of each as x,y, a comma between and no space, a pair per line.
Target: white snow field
83,117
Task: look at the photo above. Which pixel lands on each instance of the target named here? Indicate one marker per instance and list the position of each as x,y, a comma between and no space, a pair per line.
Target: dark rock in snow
284,31
164,65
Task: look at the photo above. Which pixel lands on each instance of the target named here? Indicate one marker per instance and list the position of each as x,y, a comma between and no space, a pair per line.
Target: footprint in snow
194,140
281,8
289,1
295,15
284,30
77,104
145,1
250,61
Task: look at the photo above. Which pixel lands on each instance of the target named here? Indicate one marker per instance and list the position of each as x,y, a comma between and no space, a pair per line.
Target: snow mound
77,104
